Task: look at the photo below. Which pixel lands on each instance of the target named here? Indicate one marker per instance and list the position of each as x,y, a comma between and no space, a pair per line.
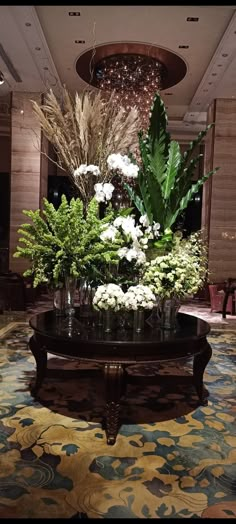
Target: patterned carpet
172,459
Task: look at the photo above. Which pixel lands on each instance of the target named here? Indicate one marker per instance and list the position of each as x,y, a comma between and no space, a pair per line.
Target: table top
93,344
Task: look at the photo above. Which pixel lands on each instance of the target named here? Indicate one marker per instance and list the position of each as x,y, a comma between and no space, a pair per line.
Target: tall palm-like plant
165,185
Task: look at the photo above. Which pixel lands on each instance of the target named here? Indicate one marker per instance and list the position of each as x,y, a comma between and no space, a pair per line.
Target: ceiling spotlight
2,80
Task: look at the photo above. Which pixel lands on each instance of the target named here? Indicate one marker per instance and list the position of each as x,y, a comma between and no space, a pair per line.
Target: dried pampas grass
86,129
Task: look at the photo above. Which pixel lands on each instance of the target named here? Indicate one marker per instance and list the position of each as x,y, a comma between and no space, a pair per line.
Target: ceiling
43,43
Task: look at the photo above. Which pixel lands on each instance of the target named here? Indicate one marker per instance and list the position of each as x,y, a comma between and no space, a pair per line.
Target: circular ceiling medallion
117,56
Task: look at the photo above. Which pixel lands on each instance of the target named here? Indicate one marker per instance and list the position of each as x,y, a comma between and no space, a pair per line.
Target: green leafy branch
65,242
164,184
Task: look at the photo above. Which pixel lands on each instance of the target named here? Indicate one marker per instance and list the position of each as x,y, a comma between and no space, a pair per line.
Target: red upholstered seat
217,297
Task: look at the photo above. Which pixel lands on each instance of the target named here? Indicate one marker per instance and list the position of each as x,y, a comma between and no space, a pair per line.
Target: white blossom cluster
139,297
108,296
111,296
135,237
176,274
103,192
123,164
83,169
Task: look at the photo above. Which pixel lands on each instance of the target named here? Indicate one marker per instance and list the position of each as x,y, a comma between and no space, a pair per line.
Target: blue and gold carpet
172,459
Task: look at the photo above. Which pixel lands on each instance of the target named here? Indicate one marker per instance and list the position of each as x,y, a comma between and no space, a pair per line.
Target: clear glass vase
138,320
70,288
169,310
108,320
154,319
86,294
59,301
71,324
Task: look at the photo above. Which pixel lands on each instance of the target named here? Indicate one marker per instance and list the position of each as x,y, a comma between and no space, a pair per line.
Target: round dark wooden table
118,350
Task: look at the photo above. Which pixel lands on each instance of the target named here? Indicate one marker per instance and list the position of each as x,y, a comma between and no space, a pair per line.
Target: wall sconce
2,80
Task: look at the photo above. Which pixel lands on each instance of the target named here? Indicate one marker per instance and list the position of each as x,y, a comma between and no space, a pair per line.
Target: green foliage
65,242
165,177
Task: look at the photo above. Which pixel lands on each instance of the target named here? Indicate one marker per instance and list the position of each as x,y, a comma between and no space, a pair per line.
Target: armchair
217,295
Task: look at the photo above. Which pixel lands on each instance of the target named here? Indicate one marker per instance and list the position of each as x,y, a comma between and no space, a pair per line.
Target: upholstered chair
217,298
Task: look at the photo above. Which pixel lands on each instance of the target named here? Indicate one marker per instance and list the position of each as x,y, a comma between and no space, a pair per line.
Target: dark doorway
4,220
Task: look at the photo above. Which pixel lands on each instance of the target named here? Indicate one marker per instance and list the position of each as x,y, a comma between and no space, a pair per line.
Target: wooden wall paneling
25,167
222,219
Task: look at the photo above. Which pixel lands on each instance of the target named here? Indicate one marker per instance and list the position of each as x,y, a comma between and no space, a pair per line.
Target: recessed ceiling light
28,24
74,13
192,19
79,41
183,46
224,55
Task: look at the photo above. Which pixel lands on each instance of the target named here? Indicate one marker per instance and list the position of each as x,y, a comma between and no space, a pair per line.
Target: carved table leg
199,364
114,378
41,364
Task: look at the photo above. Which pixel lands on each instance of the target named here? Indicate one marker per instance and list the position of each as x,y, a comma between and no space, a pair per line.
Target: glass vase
71,324
169,310
108,320
59,301
70,288
154,319
138,320
86,294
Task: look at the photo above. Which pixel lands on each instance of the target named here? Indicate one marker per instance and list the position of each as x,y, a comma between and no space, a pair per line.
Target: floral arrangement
85,130
109,296
135,237
180,272
139,297
96,141
65,242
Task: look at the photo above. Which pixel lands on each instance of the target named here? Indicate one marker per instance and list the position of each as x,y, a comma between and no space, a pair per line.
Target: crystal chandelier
135,78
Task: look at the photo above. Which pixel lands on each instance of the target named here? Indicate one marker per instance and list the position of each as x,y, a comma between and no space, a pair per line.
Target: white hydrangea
123,164
108,296
139,297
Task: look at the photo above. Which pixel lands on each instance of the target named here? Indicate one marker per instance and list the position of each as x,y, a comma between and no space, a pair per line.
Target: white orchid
83,169
103,192
122,164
